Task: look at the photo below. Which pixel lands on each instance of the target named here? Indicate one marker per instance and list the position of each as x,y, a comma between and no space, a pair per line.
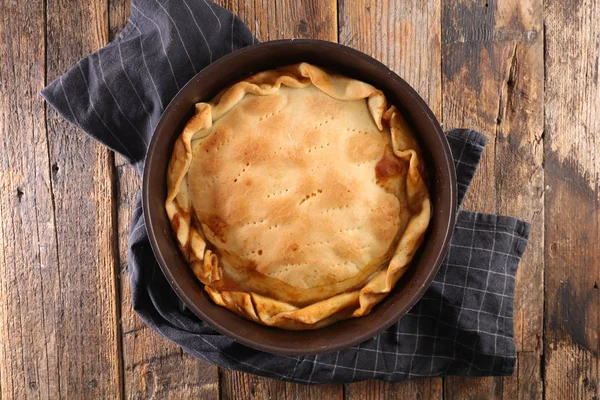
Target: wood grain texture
271,20
153,366
526,383
464,388
29,278
245,386
406,37
528,378
279,19
87,332
430,389
572,173
492,64
67,328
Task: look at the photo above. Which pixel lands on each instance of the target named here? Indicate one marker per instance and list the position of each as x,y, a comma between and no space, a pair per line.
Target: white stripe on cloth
162,106
423,335
116,102
232,23
467,274
131,83
94,110
412,358
482,249
487,284
478,269
200,29
355,369
161,41
179,35
466,288
501,305
376,357
439,318
214,13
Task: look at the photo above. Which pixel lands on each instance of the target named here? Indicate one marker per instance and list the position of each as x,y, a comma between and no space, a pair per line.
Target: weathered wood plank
283,19
270,20
29,278
492,55
526,383
418,389
236,385
529,372
473,388
153,366
572,161
87,312
406,37
118,14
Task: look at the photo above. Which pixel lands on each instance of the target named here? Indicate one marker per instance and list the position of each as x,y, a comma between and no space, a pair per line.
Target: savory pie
298,197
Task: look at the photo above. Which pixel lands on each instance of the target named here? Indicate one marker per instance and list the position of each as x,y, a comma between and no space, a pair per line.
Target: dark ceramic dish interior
346,61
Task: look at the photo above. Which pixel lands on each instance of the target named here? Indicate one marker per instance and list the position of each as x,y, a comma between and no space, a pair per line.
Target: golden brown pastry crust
297,196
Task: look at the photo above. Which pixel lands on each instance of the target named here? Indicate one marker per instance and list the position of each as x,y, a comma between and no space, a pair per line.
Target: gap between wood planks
115,240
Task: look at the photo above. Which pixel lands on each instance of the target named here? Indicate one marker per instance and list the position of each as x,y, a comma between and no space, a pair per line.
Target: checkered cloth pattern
463,325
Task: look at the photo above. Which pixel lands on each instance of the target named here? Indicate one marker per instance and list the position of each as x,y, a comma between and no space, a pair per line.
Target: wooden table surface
523,72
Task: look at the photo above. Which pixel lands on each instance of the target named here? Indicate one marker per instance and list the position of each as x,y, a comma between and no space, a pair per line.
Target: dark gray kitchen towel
463,325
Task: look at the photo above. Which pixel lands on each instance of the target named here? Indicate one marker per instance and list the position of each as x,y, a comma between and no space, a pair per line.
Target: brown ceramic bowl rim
342,334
